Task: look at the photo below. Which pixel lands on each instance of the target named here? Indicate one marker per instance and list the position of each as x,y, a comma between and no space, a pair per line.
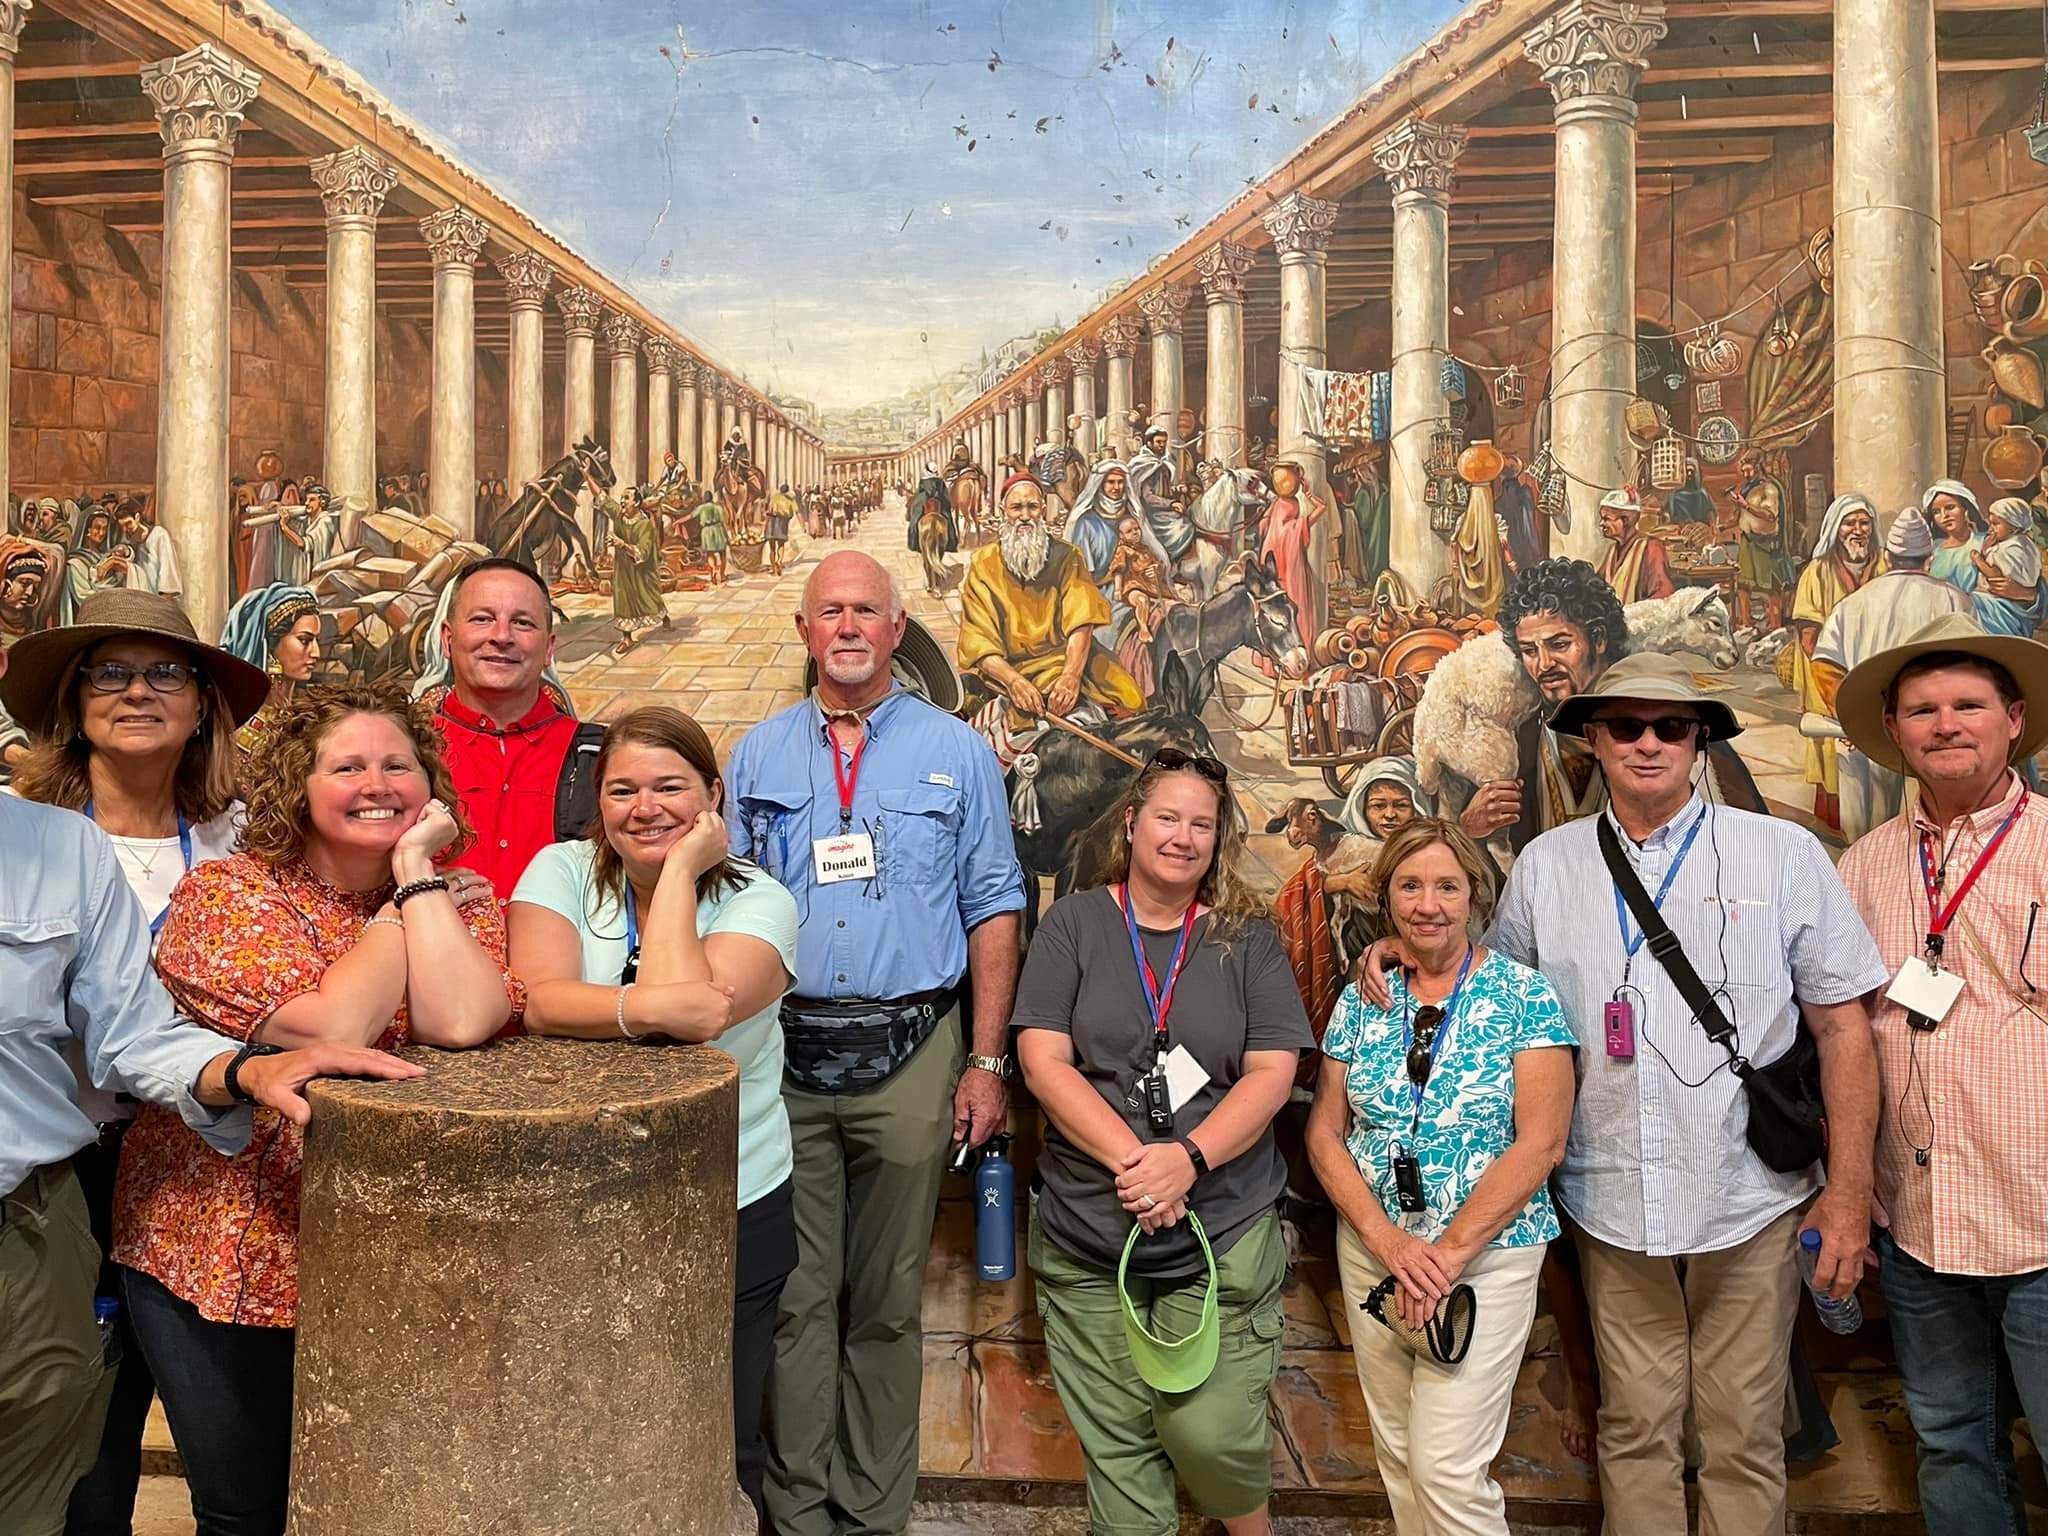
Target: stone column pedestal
515,1297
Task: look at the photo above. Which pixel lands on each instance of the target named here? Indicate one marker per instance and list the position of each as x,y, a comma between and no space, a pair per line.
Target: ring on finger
1150,1203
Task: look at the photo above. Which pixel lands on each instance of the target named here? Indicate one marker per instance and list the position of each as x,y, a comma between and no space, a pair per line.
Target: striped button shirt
1658,1161
1973,1093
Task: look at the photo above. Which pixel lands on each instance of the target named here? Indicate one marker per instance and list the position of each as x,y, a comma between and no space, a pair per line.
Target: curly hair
274,785
1226,888
1576,593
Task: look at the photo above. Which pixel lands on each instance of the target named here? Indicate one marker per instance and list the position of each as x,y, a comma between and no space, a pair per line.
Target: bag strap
1670,953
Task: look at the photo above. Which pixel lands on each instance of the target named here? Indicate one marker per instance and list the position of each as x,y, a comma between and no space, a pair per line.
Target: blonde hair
1226,889
1427,832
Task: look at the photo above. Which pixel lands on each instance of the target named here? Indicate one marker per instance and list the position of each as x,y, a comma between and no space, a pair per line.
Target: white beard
1026,547
1854,561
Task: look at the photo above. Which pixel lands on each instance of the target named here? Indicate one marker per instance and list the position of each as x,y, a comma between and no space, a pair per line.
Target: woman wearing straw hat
1437,1121
135,721
1158,1024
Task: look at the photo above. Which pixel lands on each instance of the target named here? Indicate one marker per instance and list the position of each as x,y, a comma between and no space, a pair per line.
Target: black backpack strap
1663,943
576,788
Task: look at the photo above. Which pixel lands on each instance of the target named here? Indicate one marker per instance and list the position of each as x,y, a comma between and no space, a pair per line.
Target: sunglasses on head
1429,1019
1670,729
1173,760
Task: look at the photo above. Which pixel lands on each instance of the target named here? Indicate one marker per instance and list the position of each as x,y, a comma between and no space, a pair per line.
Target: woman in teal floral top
1462,1092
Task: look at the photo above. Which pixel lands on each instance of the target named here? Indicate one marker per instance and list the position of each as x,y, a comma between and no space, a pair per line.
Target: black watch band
232,1078
1187,1145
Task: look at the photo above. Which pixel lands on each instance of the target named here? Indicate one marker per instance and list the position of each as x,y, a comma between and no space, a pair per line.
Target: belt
857,1007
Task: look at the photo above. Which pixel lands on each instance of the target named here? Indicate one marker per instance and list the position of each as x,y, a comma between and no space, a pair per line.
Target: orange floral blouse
242,940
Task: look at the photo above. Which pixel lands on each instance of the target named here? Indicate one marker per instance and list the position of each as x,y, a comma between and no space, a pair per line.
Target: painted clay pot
2012,460
1997,416
1481,463
1987,294
2017,372
2023,308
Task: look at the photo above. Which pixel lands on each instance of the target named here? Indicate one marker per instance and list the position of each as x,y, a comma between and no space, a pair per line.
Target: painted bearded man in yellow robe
1028,616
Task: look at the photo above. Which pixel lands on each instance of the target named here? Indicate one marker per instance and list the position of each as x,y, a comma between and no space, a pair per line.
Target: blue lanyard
1631,945
1158,1000
184,847
632,923
1443,1032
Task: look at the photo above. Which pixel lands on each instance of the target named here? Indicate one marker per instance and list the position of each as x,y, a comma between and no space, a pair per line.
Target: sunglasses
1670,729
162,676
1429,1019
1173,760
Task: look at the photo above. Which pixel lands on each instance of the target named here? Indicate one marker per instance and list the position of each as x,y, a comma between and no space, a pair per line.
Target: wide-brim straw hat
1860,701
921,662
1646,679
39,665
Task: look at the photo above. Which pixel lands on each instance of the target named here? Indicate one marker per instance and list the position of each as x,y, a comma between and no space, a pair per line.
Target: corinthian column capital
580,308
1083,355
200,98
13,17
622,334
1033,387
1163,308
1300,224
662,355
454,236
1121,335
1596,47
1421,156
353,183
685,370
1224,267
527,275
1055,373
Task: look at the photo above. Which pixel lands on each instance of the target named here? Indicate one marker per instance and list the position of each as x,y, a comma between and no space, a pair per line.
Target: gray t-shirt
1234,996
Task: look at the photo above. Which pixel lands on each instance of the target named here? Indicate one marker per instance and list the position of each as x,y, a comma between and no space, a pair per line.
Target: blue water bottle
995,1222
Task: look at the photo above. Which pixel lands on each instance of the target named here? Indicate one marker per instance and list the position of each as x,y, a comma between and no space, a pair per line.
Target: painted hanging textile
1789,394
1347,406
1481,574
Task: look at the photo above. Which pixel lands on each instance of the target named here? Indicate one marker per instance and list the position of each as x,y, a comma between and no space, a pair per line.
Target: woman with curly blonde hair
316,931
1158,1024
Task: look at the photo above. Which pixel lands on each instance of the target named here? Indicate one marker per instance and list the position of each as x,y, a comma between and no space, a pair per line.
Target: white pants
1437,1428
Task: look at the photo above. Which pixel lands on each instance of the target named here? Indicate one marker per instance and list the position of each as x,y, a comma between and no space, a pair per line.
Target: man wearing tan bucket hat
1952,889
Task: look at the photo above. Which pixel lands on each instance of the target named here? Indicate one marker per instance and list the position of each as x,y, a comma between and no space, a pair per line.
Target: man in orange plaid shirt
1952,889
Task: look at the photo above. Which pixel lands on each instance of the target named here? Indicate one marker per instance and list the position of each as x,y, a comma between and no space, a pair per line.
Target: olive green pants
1135,1439
53,1386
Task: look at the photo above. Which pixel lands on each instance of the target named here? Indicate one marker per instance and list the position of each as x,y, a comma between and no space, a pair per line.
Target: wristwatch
1000,1065
232,1079
1187,1145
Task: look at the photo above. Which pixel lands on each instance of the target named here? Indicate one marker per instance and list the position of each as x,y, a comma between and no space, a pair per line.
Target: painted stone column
622,337
1224,267
200,98
1300,226
1164,309
353,184
1420,159
454,238
1081,358
709,414
1034,421
1003,418
662,357
728,418
1890,405
527,276
689,453
13,17
1120,343
1052,377
1591,54
580,308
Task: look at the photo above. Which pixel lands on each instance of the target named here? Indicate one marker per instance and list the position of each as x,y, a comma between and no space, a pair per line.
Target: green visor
1173,1365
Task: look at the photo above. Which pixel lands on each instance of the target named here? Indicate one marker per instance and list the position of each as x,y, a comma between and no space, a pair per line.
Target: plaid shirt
1974,1092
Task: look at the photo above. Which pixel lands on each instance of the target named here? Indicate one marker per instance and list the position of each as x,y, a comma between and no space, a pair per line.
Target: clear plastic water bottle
1844,1316
104,1310
995,1220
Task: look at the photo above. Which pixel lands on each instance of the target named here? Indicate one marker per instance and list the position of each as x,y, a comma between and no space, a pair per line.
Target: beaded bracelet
621,1012
406,893
394,922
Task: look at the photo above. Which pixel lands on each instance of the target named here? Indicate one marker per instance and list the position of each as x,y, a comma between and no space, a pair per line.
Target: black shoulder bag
576,785
1788,1127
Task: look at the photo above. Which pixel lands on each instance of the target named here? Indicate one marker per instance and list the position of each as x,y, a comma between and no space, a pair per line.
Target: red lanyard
1159,1003
847,777
1939,917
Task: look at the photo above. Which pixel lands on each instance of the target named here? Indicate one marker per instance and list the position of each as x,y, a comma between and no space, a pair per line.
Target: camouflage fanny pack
858,1046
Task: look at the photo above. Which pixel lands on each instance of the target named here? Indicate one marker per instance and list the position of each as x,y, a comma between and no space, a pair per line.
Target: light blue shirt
559,879
1466,1119
931,796
1654,1165
74,964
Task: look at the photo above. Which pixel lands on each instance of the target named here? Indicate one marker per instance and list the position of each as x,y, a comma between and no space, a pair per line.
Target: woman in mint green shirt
647,927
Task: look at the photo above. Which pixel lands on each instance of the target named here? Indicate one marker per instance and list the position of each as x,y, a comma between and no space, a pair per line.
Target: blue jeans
1965,1342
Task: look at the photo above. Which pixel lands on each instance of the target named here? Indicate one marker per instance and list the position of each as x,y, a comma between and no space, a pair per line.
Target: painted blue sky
846,200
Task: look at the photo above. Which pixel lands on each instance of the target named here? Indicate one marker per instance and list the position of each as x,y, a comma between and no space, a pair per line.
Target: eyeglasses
1428,1020
1670,729
1173,760
162,676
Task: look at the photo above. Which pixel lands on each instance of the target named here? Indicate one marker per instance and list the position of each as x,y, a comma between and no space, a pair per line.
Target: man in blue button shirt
75,973
885,818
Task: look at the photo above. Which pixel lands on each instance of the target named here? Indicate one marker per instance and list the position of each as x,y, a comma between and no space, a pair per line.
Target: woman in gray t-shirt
1180,937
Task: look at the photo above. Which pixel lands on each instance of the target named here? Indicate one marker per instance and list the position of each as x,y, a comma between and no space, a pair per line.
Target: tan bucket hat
1859,703
1651,679
39,665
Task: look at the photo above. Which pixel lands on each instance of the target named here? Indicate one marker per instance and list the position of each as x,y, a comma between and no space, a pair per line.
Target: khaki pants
843,1412
1709,1331
53,1385
1437,1428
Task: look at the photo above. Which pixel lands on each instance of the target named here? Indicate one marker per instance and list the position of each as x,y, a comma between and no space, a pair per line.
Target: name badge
848,856
1921,989
1184,1077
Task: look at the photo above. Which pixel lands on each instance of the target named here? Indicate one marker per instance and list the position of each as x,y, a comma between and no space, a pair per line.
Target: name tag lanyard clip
1158,1000
846,777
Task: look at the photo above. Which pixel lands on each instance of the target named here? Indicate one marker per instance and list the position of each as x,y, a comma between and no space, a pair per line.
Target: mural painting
1338,453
